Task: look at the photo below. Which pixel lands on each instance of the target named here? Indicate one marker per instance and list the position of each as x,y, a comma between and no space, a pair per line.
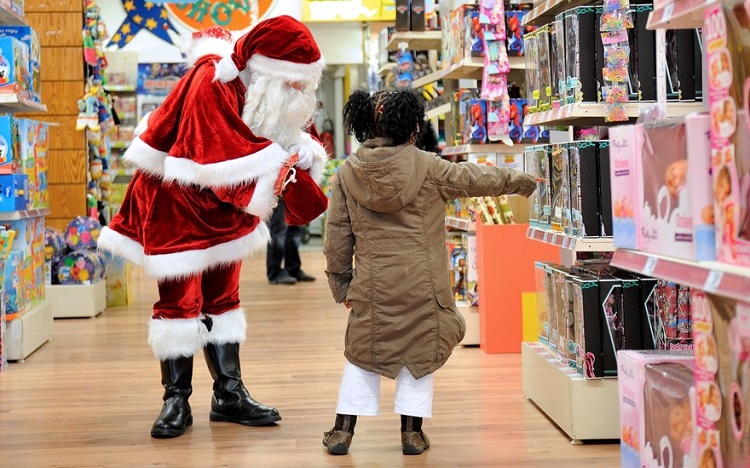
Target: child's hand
541,180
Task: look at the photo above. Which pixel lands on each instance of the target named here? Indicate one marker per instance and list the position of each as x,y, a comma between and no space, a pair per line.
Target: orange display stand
505,264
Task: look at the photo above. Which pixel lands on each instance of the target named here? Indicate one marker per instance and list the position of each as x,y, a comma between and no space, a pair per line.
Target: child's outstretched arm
472,180
339,244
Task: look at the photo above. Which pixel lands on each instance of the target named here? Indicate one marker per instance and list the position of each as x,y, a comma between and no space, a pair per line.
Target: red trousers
211,292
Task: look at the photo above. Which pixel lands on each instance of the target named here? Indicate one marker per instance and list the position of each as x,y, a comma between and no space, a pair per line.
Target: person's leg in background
275,252
292,261
225,321
413,402
359,395
175,335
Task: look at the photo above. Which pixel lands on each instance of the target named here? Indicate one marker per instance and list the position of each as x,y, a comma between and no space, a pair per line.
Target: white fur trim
226,70
229,327
142,125
195,49
319,156
173,338
122,246
145,157
289,70
264,198
191,262
226,173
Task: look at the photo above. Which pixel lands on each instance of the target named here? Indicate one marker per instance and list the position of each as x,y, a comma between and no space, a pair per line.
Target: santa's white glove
305,154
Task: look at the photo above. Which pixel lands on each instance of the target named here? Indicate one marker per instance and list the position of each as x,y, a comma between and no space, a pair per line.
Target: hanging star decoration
143,15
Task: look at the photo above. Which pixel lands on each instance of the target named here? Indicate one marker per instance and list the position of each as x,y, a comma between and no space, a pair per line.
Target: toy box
403,12
28,36
14,65
697,129
472,275
533,75
515,126
515,32
656,409
625,144
643,53
722,378
727,34
417,19
557,65
3,352
631,316
605,188
537,161
13,282
473,44
559,310
13,192
649,312
584,291
666,214
580,40
10,157
542,284
560,187
475,121
584,189
543,39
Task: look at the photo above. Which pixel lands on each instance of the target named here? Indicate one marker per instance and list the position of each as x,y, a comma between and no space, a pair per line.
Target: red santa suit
205,183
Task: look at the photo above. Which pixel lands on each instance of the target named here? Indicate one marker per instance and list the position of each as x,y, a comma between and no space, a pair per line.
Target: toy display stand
77,300
584,409
29,331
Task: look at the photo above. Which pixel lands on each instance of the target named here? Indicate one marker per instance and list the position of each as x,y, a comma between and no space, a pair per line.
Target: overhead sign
348,10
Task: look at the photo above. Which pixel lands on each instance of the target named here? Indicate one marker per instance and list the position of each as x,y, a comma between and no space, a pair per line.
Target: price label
546,237
713,281
668,9
650,266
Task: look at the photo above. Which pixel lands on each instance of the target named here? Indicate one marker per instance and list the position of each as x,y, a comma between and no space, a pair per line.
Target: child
388,209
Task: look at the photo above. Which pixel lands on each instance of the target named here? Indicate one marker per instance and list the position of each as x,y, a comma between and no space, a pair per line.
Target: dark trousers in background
284,247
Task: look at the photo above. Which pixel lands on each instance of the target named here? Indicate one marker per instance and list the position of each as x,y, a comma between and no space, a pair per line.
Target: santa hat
279,46
211,41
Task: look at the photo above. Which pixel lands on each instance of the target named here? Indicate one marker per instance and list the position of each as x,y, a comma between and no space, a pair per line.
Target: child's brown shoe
414,443
337,442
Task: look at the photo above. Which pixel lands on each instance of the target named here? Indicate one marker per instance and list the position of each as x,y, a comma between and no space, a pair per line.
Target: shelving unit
578,244
20,102
77,300
546,11
584,409
468,68
593,113
385,69
29,331
498,148
679,14
16,215
416,40
438,111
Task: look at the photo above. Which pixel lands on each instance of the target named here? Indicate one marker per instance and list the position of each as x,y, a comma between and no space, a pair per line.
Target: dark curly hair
397,114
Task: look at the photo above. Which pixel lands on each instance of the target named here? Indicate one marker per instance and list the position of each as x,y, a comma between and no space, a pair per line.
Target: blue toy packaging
14,300
475,121
13,192
517,108
14,65
30,38
9,145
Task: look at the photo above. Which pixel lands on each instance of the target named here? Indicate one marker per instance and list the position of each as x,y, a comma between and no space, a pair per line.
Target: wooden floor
88,397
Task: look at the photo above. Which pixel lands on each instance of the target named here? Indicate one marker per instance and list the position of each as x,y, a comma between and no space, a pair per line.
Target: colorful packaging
515,129
727,34
656,409
14,297
542,198
472,274
587,333
666,213
10,157
560,180
697,129
34,160
625,169
533,74
543,38
30,38
14,66
515,32
13,192
475,122
580,45
722,377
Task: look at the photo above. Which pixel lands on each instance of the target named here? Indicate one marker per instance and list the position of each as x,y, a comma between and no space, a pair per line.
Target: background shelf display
10,103
577,405
546,11
416,40
16,215
579,244
679,14
593,113
29,331
719,278
438,111
469,68
480,148
460,224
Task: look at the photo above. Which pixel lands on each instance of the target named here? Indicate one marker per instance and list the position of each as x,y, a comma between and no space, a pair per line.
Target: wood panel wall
59,24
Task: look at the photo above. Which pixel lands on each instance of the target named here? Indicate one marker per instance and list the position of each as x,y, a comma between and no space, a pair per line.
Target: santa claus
232,136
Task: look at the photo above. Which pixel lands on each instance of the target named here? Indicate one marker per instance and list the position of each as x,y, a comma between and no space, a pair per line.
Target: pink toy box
625,143
701,186
656,409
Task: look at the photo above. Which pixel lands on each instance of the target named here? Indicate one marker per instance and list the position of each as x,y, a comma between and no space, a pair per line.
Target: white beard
275,111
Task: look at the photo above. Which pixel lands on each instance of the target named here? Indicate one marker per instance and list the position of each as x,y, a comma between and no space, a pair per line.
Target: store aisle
88,397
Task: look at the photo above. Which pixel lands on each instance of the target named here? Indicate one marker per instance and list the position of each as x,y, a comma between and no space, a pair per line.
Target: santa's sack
304,200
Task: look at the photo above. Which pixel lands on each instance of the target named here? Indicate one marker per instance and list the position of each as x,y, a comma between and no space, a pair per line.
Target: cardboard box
28,36
417,19
14,68
403,15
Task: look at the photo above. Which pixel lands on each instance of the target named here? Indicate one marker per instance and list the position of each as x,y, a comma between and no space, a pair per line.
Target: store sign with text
348,10
235,15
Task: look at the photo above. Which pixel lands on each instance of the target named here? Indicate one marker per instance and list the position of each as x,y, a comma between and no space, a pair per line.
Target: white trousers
359,394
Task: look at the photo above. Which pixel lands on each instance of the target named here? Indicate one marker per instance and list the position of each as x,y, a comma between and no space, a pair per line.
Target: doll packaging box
625,143
30,38
656,409
697,128
584,291
583,170
666,212
543,283
580,40
727,45
722,379
560,185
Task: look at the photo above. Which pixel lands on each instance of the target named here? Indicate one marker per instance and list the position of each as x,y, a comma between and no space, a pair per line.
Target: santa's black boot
175,416
231,401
